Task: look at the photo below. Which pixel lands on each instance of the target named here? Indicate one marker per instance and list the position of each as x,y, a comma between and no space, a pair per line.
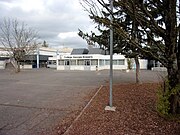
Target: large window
101,62
54,62
80,62
114,62
107,62
73,62
61,62
94,62
51,62
120,62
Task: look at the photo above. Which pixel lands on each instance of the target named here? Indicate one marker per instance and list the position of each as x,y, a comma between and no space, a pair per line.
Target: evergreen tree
151,31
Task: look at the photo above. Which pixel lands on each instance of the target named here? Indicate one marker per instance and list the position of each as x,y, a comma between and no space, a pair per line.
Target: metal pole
111,56
37,57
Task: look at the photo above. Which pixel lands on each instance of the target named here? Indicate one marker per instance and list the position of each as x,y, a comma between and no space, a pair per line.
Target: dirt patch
135,114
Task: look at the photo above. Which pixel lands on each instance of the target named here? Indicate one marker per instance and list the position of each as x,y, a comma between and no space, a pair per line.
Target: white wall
115,67
52,66
26,66
159,69
92,67
2,64
143,63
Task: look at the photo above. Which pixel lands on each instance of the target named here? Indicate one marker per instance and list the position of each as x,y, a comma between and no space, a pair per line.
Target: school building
90,59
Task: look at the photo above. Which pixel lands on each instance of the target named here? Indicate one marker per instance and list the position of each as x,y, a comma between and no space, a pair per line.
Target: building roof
79,51
88,51
96,51
63,50
34,57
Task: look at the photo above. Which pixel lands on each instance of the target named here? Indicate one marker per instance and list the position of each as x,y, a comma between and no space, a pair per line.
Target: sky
57,21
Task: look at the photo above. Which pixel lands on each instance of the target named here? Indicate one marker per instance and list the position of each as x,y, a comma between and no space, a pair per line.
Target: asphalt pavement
34,101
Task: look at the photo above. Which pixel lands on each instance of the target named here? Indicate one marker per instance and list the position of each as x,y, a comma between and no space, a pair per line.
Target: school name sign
78,57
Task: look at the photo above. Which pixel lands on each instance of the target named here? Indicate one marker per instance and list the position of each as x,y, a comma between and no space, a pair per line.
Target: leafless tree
18,39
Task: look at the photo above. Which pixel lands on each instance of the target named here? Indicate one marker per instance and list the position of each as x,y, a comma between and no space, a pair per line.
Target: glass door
87,65
67,65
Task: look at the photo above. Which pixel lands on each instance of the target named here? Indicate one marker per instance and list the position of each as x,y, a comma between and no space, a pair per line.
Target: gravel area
135,114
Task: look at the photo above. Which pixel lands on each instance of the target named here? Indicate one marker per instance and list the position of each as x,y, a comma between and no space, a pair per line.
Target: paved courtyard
33,101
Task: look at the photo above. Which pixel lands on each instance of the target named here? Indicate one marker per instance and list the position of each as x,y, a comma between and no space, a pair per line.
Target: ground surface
135,114
34,101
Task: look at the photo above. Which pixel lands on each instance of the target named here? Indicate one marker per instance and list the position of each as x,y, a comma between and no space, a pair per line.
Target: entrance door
67,65
87,65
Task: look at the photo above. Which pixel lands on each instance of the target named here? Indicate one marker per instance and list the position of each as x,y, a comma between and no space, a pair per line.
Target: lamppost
110,107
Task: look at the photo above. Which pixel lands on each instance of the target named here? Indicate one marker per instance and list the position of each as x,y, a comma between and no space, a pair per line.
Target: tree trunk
137,69
174,80
171,48
174,83
18,66
178,65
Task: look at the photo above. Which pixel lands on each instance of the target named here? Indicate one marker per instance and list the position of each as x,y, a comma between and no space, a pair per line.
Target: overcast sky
57,21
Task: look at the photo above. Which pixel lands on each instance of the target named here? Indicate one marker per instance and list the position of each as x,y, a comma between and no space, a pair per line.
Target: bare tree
18,40
45,44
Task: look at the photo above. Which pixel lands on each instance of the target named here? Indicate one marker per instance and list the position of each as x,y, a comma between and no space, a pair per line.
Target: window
54,62
49,62
80,62
73,62
61,62
94,62
87,62
107,62
120,62
67,63
114,62
101,62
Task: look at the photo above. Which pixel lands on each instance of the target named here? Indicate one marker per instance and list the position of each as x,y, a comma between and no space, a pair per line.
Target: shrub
163,104
130,63
164,93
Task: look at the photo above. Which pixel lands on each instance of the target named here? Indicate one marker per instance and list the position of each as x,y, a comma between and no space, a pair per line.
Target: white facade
40,51
53,51
90,62
2,64
61,59
143,64
86,62
3,52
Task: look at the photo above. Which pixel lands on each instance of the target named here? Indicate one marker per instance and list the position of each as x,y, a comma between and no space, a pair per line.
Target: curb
69,128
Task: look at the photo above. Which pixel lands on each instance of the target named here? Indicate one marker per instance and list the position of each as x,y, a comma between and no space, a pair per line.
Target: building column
37,57
57,59
76,62
98,65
